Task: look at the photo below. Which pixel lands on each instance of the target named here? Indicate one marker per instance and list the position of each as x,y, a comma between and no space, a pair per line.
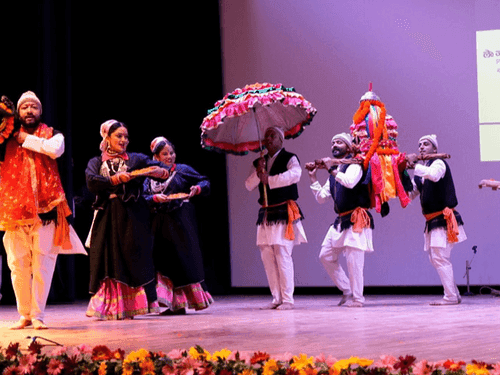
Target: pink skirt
117,301
190,296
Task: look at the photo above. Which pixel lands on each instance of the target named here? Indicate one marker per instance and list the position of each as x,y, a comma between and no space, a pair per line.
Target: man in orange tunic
33,211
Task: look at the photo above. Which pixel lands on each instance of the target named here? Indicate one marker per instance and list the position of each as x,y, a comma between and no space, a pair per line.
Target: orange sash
293,216
359,218
451,223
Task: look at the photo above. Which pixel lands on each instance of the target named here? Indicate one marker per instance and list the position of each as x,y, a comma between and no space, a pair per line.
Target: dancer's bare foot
22,323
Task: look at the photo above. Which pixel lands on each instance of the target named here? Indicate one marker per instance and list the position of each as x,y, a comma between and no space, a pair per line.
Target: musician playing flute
351,233
444,225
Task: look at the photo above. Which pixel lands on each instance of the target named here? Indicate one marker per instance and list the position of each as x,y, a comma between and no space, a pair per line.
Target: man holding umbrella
279,225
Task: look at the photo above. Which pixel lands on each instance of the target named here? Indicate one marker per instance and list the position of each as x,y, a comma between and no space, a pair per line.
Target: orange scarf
293,215
29,185
451,223
359,218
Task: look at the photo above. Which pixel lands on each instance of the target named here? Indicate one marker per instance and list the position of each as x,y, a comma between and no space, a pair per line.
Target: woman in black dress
176,251
122,276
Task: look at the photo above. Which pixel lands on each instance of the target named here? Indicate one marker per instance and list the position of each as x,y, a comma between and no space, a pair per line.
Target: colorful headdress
375,133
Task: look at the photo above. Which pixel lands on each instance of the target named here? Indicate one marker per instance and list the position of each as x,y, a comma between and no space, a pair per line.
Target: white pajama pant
278,264
31,259
440,260
355,258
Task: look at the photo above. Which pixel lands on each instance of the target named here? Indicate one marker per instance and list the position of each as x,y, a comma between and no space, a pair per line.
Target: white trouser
355,258
440,260
278,264
31,259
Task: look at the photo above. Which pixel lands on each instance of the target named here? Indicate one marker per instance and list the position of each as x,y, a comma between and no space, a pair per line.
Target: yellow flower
137,356
246,371
363,362
102,368
194,352
270,367
302,362
222,354
341,365
477,369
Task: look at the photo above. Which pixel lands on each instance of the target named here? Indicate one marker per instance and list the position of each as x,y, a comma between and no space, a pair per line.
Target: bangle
331,169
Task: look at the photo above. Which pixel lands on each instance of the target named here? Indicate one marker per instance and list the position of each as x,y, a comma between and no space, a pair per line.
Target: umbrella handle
265,188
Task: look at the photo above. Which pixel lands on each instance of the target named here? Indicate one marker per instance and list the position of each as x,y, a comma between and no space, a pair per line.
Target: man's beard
338,154
32,125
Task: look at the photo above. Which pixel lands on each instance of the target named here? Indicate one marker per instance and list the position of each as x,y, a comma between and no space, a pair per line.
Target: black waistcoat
282,194
436,196
346,199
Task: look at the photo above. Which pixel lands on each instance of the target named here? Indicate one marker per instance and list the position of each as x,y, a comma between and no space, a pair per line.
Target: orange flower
101,353
259,357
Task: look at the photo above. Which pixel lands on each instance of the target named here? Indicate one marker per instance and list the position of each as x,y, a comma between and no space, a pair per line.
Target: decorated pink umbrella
238,122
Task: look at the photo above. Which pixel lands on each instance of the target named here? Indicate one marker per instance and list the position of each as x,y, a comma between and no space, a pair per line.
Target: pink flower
26,363
11,370
422,368
175,354
58,351
496,369
188,366
386,361
328,360
168,370
86,349
55,367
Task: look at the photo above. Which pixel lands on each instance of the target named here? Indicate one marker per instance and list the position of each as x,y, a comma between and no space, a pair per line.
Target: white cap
345,137
431,138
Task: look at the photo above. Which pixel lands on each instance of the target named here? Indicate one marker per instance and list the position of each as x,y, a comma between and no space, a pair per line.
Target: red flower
259,357
452,365
12,350
404,364
35,347
101,353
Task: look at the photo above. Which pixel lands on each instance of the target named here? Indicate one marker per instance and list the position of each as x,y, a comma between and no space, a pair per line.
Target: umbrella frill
242,102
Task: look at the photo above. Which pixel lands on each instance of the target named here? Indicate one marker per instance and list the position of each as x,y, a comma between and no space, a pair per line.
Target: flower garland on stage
7,118
101,360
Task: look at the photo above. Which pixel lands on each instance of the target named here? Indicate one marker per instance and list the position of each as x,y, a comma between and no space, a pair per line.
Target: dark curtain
155,67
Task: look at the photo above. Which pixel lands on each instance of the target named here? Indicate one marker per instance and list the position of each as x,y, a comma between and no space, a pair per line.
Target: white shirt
437,237
347,238
275,234
52,147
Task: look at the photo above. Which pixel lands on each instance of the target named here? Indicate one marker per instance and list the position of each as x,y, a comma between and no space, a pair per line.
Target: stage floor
392,325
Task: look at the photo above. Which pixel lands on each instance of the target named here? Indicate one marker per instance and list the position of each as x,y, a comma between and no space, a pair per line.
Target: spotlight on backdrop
467,268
